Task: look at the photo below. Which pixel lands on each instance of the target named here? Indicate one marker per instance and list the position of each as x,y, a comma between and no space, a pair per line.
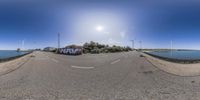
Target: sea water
178,54
4,54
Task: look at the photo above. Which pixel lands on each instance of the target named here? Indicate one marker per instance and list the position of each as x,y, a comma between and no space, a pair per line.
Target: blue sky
155,23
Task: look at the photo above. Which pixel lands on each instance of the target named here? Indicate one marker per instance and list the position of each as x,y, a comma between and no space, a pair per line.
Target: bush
95,51
95,48
85,51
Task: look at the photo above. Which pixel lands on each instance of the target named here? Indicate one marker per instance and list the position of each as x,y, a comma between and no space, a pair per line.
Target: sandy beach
174,68
9,66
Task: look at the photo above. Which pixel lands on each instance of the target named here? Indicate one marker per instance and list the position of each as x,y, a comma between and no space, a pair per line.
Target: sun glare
99,28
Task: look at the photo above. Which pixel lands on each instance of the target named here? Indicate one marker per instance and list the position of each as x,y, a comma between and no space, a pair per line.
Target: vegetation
95,48
18,49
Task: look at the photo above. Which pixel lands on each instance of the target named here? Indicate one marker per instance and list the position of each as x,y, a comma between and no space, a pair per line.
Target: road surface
116,76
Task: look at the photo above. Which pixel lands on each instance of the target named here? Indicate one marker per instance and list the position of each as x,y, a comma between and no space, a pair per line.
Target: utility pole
58,40
22,44
133,44
171,45
140,44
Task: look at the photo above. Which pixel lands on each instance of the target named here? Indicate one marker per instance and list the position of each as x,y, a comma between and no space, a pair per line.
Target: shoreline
180,69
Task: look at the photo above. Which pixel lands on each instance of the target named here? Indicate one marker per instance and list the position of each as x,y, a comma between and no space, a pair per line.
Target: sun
99,28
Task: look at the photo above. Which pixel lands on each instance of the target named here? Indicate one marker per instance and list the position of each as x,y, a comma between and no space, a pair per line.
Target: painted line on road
54,60
81,67
115,61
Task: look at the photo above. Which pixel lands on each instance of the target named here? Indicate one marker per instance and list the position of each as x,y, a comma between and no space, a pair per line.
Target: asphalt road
117,76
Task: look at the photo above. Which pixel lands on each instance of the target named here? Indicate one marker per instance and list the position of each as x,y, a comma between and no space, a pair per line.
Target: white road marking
81,67
54,60
115,61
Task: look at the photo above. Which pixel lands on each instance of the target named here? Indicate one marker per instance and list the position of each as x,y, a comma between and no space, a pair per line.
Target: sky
34,24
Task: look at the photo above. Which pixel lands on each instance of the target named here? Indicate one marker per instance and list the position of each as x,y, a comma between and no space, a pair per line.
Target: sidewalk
9,66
